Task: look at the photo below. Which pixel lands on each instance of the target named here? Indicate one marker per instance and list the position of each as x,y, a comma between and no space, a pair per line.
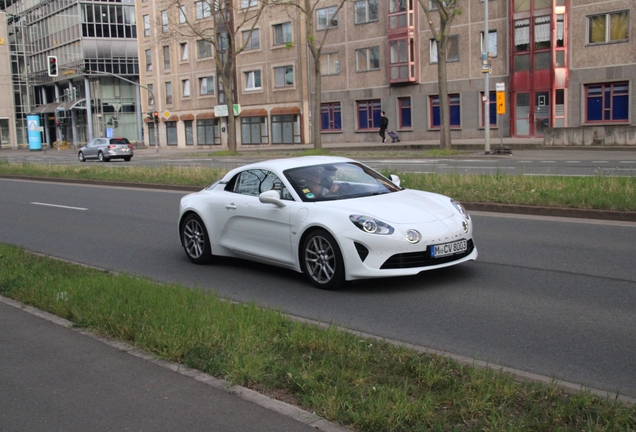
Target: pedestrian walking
384,124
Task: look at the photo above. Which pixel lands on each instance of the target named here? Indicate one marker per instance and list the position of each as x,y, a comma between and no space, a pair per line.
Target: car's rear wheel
81,157
127,158
194,238
102,158
322,260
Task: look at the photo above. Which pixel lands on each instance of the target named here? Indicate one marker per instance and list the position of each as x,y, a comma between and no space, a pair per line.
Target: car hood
406,206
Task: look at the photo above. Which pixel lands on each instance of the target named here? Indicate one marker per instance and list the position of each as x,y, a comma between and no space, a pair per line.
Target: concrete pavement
55,378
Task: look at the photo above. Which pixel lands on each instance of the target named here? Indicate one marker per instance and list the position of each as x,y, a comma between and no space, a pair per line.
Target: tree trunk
444,109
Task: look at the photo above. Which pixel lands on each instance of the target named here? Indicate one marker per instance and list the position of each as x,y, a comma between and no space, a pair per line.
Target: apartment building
563,64
74,63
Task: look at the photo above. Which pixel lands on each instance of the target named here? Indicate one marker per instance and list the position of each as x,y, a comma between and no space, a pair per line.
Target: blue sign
34,133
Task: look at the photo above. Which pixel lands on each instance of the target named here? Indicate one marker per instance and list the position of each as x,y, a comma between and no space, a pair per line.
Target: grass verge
596,192
364,384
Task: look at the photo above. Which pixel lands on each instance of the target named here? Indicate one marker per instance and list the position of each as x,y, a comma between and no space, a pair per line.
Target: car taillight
130,146
112,146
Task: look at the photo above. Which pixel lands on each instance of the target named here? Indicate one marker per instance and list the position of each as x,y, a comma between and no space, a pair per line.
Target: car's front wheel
81,157
322,260
194,238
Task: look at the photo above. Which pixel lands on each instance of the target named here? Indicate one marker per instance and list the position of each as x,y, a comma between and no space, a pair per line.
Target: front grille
423,259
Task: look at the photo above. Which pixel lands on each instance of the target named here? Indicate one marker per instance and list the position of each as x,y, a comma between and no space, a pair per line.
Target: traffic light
151,116
52,66
155,115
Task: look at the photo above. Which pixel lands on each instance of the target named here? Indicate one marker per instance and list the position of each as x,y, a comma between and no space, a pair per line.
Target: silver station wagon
105,149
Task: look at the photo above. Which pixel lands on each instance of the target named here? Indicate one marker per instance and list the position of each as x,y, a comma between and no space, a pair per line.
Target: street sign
501,97
166,114
501,103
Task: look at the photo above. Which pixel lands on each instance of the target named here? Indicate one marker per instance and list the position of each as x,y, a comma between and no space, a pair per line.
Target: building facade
8,137
564,64
75,64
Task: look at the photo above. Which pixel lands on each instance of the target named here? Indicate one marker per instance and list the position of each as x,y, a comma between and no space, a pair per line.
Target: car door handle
230,206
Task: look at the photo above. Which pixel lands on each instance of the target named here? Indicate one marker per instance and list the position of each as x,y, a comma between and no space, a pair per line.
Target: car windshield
338,181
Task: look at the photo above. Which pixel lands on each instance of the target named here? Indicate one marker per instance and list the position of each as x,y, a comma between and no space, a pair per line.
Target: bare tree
227,25
448,10
317,33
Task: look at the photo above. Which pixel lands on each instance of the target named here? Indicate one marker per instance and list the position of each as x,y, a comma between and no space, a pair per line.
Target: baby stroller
393,136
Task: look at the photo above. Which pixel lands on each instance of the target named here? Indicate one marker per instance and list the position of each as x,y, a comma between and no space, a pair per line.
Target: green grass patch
364,384
593,192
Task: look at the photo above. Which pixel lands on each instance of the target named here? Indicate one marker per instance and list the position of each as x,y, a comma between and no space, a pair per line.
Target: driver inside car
316,178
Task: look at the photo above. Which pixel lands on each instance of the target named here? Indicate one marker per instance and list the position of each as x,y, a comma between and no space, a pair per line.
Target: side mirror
271,197
395,179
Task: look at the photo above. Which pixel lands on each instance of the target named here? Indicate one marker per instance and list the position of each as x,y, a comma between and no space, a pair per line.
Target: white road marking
60,206
572,161
600,162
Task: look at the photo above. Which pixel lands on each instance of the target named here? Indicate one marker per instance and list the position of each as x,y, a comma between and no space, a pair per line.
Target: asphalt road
548,296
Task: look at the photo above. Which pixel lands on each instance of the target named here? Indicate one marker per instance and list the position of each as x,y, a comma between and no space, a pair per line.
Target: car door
253,228
91,148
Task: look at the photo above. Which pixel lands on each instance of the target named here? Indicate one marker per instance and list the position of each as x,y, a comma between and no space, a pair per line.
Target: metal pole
486,84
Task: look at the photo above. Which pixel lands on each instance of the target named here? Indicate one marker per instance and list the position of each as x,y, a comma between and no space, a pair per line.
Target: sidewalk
57,378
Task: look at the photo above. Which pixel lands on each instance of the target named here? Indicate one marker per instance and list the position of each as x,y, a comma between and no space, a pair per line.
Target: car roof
280,165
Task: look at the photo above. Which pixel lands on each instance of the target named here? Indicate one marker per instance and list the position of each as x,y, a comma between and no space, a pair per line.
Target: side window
255,182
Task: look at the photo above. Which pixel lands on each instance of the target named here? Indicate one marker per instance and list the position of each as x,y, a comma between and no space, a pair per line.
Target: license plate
449,248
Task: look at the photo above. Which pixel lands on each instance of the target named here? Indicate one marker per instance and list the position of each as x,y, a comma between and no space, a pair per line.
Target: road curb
283,408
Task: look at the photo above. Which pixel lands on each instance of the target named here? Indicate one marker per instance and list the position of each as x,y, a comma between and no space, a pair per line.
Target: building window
204,48
253,40
492,112
366,11
151,94
330,117
452,47
400,52
203,9
208,132
164,21
184,51
455,112
492,42
171,133
609,27
166,57
282,33
152,135
327,18
186,87
254,130
182,15
109,21
253,80
330,64
286,129
369,114
368,59
206,86
607,102
284,76
404,111
187,124
248,3
149,60
146,25
169,93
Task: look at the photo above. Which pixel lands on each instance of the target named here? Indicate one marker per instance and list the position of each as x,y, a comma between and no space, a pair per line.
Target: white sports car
332,218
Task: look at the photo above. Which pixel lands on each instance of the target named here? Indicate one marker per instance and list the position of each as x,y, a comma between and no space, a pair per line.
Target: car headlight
371,225
460,208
